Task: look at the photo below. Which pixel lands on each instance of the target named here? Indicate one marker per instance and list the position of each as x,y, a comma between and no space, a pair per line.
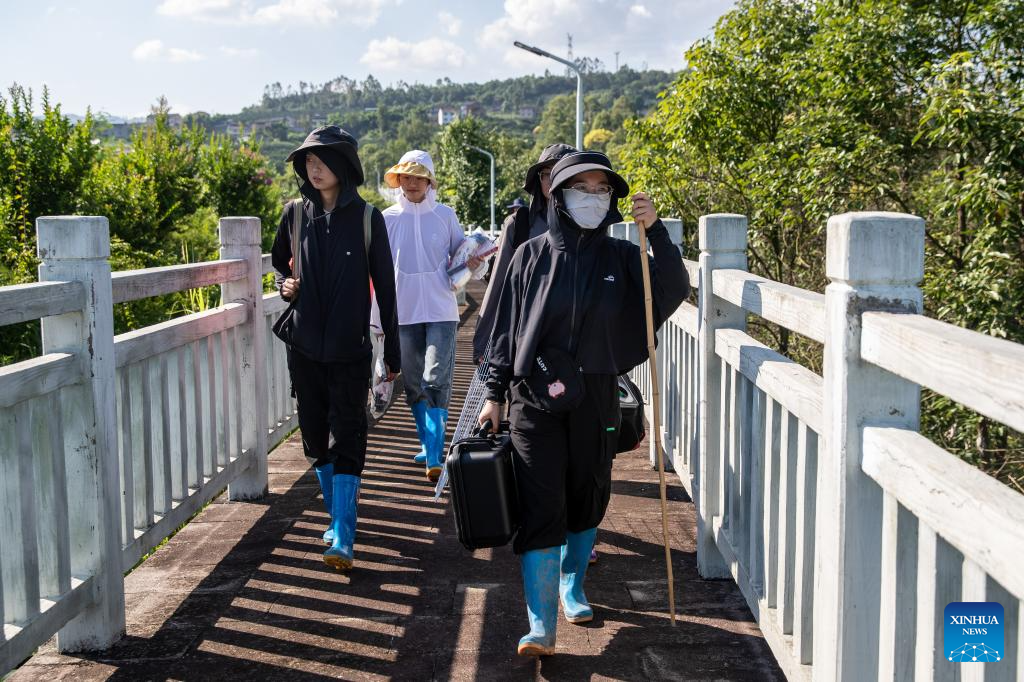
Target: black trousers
563,463
331,400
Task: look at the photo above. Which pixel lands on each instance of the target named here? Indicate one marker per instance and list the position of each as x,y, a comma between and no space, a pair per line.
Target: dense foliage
794,111
163,193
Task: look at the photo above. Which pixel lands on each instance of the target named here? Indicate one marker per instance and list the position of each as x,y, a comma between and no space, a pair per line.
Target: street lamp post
491,157
579,86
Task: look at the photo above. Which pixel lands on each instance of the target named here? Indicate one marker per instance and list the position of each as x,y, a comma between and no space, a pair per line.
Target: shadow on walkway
242,591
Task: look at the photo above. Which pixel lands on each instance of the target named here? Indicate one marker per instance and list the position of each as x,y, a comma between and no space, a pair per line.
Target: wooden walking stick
656,410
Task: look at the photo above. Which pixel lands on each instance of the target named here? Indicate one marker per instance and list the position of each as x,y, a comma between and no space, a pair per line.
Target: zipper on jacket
575,277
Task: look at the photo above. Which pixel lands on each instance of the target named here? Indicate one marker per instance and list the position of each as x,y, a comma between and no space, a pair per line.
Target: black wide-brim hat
551,154
333,137
581,162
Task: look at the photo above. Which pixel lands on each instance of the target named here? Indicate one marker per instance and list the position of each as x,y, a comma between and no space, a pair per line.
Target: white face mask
588,210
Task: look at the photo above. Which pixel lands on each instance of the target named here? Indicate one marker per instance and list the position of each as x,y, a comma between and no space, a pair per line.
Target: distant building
120,131
470,109
265,124
446,116
173,120
527,112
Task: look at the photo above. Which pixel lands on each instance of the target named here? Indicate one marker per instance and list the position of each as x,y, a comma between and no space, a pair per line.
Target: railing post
630,232
240,238
874,262
77,249
723,245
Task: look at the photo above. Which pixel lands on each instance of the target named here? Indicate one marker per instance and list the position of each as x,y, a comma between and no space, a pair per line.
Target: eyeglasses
600,190
545,176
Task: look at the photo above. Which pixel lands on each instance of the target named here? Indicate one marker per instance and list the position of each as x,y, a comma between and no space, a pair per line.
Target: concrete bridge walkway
242,593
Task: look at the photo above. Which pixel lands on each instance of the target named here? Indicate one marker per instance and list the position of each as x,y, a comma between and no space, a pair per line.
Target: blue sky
216,55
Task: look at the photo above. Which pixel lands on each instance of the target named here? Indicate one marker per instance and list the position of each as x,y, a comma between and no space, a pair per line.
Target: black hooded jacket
525,223
581,289
331,317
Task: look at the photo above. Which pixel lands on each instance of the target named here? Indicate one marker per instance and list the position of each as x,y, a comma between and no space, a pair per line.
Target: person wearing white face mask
527,222
424,235
571,317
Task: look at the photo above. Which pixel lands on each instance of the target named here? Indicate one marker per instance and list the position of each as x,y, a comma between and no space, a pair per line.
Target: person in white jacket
424,235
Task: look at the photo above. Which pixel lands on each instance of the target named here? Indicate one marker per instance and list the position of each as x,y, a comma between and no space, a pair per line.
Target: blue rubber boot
540,584
324,474
437,421
575,558
419,413
343,521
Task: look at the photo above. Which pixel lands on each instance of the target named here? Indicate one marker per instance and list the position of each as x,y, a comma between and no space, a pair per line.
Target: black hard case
483,490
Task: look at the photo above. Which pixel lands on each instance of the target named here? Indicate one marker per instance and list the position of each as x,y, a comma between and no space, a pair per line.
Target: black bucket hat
551,154
333,138
581,162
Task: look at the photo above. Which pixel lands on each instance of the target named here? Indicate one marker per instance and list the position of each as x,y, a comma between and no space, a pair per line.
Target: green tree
151,185
464,174
238,182
792,112
44,162
557,122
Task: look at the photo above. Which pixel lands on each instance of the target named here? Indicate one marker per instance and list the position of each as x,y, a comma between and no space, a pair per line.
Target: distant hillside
515,104
387,120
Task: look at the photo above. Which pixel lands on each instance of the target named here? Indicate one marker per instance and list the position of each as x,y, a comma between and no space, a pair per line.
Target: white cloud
642,31
450,23
392,54
276,12
156,51
239,52
193,9
296,12
640,11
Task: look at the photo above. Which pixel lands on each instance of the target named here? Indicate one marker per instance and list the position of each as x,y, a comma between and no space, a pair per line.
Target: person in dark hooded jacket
570,318
524,223
327,324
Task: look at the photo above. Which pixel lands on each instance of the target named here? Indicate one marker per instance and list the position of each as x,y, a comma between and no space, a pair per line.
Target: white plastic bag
477,244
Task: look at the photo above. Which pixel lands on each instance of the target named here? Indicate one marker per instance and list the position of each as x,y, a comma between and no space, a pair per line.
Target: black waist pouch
555,383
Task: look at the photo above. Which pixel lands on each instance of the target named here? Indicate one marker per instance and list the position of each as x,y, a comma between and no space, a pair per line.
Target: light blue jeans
428,362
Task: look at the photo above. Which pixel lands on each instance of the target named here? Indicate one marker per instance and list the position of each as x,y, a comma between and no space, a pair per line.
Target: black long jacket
581,290
526,223
331,317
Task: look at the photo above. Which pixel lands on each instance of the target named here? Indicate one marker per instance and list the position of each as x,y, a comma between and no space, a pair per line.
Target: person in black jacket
524,223
326,325
571,317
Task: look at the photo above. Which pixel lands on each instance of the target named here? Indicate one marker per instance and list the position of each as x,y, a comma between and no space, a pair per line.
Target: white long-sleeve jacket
424,237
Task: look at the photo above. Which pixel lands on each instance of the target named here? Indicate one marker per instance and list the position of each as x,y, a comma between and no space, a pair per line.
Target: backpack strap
520,227
296,236
367,239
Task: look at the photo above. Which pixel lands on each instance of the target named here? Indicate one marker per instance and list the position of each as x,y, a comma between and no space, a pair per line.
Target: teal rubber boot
575,559
325,474
344,499
437,421
419,413
540,584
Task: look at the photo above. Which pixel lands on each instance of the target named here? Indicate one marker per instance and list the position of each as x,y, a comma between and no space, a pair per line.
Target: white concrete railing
108,444
846,530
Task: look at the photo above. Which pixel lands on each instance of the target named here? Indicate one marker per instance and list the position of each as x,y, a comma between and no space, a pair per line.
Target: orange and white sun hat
417,162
